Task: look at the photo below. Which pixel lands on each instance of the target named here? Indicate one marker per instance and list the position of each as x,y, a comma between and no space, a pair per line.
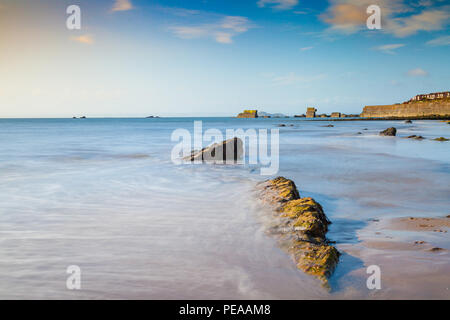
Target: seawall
415,109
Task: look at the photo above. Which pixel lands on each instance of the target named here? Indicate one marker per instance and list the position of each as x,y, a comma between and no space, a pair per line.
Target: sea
104,195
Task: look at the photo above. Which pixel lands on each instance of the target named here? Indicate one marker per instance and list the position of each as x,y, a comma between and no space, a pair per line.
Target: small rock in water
415,137
436,249
389,132
282,125
408,121
328,126
419,242
441,139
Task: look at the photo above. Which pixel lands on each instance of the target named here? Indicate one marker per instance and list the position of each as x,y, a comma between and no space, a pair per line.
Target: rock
365,129
83,117
301,225
419,242
389,132
282,125
408,121
228,150
278,191
436,249
328,126
359,133
415,137
248,114
441,139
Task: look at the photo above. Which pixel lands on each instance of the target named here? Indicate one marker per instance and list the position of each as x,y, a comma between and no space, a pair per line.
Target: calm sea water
103,194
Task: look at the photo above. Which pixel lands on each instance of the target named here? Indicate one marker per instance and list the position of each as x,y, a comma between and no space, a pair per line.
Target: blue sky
215,58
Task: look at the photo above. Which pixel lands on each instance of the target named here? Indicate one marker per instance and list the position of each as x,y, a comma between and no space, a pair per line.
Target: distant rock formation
311,112
430,105
227,151
248,114
301,226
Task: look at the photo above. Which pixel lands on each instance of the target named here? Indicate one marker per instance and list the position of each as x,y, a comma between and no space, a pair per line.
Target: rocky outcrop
248,114
389,132
301,226
229,150
415,109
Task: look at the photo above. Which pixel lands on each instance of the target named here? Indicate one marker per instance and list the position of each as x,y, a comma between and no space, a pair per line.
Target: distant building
431,96
311,112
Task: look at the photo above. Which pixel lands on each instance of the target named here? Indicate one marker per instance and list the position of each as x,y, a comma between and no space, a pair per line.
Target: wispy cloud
427,20
85,39
440,41
221,31
122,5
400,18
306,48
278,4
418,72
389,48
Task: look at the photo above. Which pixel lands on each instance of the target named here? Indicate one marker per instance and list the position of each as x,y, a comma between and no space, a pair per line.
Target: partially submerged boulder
301,226
229,150
389,132
415,137
441,139
408,121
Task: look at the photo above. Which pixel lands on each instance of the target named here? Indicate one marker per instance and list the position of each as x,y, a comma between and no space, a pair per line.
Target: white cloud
440,41
278,4
389,48
122,5
306,48
418,72
85,39
221,31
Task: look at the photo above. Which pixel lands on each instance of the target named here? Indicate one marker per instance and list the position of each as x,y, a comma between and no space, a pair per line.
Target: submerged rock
328,126
408,121
389,132
415,137
441,139
229,150
301,226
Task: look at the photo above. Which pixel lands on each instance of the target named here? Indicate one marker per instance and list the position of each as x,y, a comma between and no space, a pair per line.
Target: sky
134,58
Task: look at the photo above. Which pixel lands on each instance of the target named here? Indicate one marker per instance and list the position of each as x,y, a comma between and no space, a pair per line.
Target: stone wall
415,109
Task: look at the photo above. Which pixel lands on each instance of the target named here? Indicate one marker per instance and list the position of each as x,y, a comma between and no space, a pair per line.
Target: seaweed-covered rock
441,139
225,151
301,226
279,190
389,132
